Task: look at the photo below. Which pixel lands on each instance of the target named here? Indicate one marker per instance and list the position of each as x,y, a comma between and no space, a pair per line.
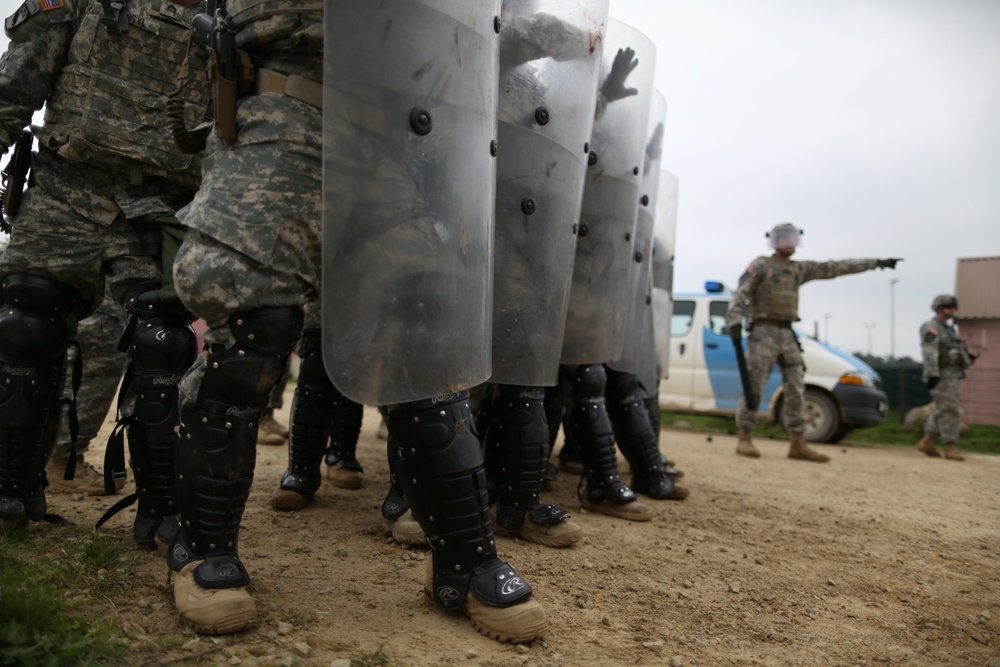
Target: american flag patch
49,5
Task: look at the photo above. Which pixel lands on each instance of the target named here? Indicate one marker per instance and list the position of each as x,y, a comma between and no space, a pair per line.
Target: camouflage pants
943,422
98,337
767,346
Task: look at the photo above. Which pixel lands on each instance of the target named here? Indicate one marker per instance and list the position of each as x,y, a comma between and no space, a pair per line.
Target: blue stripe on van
723,373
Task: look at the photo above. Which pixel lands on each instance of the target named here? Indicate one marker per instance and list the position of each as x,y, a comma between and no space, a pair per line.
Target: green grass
979,439
47,579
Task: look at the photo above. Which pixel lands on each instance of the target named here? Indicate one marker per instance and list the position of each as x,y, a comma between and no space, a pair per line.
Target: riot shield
409,112
639,306
595,321
550,54
665,231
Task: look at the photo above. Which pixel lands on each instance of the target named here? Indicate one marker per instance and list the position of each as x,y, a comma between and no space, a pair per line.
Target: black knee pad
38,318
245,373
622,387
589,382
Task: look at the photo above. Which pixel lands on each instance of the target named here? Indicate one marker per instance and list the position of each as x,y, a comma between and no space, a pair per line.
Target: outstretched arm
825,270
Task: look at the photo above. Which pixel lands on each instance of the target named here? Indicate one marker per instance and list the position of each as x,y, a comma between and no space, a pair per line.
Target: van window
717,316
680,321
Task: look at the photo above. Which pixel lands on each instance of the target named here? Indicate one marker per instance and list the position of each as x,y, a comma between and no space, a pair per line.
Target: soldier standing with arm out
108,180
768,295
945,360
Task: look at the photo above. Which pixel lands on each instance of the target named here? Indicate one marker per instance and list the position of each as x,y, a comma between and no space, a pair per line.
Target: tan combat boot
404,530
519,624
269,431
343,477
951,452
798,449
85,480
220,611
744,446
556,535
926,445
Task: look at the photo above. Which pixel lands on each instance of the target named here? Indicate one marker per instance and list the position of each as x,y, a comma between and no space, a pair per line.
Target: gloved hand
736,333
932,381
614,86
889,263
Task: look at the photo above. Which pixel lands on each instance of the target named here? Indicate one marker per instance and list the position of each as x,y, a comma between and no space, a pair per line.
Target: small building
977,287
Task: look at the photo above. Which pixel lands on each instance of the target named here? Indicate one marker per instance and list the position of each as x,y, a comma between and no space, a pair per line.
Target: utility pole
826,327
900,376
870,326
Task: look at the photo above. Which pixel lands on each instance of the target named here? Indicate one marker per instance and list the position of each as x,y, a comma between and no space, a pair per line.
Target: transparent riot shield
550,54
409,112
665,231
595,321
639,304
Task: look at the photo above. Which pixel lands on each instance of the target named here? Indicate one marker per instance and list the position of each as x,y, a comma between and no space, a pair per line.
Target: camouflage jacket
104,93
943,351
769,288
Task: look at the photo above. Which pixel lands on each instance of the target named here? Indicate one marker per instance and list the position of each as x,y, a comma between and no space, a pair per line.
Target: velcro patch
930,335
22,14
49,5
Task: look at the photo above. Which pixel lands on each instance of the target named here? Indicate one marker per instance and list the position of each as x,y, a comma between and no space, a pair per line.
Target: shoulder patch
49,5
930,334
27,9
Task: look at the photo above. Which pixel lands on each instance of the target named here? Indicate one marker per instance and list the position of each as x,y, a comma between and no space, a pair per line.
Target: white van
842,392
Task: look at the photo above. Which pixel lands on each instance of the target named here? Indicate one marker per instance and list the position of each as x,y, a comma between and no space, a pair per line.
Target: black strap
115,19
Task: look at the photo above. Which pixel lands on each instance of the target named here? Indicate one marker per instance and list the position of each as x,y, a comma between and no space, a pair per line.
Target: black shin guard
636,438
517,452
594,437
345,429
310,422
161,347
441,471
217,449
36,322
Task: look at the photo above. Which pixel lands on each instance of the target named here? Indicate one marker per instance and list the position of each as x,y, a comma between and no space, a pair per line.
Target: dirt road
882,556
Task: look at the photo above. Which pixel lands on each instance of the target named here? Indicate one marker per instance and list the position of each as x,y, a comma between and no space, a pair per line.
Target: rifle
229,70
14,176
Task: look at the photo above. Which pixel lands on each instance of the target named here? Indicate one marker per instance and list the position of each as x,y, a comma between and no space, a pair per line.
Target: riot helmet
944,301
785,235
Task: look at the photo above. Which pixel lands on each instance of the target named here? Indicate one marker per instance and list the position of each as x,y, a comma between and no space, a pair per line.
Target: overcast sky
873,125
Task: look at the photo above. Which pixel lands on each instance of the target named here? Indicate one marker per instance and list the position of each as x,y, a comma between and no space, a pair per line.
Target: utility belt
781,324
293,85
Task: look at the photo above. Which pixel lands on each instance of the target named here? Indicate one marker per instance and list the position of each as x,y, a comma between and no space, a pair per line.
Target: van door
676,390
720,360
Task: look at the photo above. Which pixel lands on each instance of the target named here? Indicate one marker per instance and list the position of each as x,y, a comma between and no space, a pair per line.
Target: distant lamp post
826,328
870,326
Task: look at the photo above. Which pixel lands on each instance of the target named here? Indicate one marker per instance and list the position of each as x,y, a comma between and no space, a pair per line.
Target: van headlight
857,379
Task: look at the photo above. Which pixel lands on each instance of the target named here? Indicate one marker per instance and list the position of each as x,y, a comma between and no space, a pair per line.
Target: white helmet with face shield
785,235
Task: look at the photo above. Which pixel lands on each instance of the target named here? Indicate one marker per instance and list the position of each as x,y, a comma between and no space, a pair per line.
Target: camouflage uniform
769,294
108,180
946,358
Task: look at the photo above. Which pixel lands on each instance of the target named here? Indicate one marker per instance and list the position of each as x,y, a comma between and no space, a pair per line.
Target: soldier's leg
98,337
637,440
310,427
342,466
517,452
270,431
37,319
440,465
397,519
653,409
222,398
947,407
591,431
793,400
761,353
161,347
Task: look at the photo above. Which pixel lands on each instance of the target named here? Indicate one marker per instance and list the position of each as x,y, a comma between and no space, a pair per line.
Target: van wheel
822,419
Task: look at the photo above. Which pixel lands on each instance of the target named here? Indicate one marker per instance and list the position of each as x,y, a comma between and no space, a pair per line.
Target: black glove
932,381
736,333
889,263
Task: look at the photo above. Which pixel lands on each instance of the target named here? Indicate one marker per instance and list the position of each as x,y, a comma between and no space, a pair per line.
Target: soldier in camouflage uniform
945,360
98,337
250,267
108,180
768,295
